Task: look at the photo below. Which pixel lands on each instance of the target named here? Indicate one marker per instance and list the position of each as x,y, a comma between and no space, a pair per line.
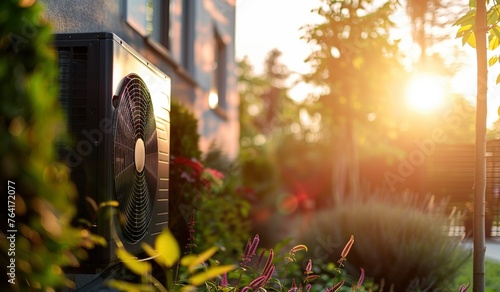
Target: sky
262,25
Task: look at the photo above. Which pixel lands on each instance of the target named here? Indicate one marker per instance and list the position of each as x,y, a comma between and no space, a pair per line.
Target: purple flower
308,287
224,283
464,287
361,278
335,287
308,268
294,287
250,250
191,231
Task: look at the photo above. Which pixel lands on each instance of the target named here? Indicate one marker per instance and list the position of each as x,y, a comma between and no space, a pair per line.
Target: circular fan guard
135,158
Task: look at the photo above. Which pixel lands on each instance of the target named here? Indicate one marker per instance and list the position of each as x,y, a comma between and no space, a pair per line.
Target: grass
492,276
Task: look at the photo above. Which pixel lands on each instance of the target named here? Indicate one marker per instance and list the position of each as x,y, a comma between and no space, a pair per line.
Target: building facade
192,41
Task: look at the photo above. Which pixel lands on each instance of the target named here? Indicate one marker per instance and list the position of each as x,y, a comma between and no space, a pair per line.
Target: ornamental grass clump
400,245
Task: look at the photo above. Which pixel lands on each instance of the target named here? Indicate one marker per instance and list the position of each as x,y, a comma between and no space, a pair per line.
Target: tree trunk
480,168
345,174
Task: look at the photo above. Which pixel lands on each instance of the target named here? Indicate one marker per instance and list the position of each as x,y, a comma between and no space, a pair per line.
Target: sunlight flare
425,93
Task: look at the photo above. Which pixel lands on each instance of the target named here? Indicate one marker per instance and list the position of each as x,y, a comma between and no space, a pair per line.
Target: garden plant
401,242
37,239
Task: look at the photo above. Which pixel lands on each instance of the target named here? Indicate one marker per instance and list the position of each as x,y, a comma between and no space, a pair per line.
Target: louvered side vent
73,70
73,98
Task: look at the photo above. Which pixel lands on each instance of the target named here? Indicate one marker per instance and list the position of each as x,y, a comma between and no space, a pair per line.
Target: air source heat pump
118,111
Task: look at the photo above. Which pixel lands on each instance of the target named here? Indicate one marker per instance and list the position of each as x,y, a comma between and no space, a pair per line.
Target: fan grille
135,158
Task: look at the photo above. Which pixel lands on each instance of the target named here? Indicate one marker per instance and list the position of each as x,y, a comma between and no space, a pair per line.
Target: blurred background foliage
302,160
206,186
30,124
354,125
184,141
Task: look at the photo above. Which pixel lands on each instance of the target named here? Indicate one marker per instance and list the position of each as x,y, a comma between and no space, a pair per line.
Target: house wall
188,58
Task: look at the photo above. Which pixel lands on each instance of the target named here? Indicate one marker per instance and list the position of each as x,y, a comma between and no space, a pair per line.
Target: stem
170,281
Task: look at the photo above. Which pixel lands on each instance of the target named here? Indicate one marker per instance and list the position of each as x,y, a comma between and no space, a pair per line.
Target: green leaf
188,259
492,60
98,240
137,267
188,288
467,19
210,273
465,36
464,28
493,42
167,248
492,16
149,250
109,204
471,40
126,286
192,262
496,31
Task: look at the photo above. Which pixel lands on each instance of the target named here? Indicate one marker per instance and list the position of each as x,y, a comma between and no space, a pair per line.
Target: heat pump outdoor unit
118,111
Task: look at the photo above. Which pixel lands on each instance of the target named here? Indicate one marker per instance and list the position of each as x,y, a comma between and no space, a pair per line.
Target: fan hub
139,155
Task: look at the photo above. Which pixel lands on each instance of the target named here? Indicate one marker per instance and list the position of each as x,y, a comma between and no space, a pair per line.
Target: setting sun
425,92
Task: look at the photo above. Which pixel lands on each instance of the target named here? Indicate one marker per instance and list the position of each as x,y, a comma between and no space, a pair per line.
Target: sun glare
425,93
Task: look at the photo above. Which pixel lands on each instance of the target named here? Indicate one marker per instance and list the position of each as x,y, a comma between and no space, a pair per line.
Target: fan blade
151,144
138,208
124,183
150,123
151,172
139,99
123,126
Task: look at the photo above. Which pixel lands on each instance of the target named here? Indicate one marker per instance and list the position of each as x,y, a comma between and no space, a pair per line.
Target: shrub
184,139
398,244
222,213
206,187
30,121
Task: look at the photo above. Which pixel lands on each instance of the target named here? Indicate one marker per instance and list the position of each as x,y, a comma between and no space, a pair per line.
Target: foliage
167,254
260,107
467,30
184,136
358,65
206,188
184,140
492,277
429,22
266,272
270,125
222,211
30,123
398,242
353,41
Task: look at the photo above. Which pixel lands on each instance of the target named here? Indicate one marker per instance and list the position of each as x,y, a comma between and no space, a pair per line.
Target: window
151,18
217,96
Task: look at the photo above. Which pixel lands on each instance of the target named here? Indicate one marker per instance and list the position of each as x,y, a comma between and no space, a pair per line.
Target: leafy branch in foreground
202,270
166,253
